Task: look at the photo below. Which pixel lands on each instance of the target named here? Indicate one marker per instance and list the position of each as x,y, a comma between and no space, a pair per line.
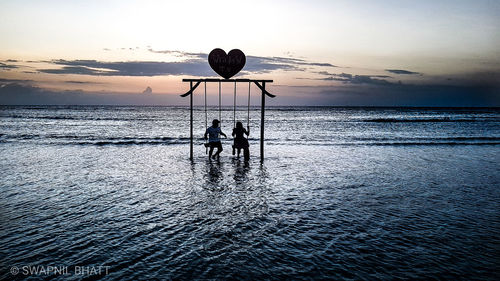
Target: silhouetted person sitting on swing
240,142
213,133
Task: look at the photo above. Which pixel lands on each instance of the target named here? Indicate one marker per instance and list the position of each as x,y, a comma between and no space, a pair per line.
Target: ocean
343,193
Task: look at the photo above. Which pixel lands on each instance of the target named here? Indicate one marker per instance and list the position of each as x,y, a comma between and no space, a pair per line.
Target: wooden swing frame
261,84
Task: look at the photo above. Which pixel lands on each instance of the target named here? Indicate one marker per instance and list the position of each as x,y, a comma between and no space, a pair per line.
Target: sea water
343,193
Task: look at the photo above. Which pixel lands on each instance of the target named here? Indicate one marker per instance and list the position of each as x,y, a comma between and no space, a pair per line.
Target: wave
431,139
161,117
83,118
93,140
431,143
422,120
88,137
291,143
73,139
451,143
131,142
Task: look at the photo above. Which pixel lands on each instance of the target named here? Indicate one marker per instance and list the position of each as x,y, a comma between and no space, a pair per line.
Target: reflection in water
241,169
218,173
214,175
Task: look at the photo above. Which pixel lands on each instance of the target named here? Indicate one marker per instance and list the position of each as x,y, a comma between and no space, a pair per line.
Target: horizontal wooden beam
198,81
225,80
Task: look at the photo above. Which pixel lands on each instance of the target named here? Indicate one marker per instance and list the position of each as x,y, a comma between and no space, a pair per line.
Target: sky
339,53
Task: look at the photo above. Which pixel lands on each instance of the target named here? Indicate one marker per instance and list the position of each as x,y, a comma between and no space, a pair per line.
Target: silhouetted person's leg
210,152
246,153
219,150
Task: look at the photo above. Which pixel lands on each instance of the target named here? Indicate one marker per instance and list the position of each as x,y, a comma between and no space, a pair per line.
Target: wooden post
262,109
191,121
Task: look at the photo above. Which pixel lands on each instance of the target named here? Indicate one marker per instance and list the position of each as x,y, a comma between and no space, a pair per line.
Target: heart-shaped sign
226,65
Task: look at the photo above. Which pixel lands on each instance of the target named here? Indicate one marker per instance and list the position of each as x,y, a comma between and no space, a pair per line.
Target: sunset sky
416,53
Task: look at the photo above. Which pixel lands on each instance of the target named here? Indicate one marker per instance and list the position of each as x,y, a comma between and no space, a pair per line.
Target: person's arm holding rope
222,134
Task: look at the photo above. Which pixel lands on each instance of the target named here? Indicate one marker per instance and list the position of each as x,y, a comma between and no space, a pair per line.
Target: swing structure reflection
261,84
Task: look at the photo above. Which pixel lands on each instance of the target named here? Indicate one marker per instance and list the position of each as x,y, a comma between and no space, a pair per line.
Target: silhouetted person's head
239,125
215,123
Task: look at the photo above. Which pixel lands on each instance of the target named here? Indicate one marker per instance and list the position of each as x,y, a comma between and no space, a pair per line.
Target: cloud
20,81
130,68
276,60
367,79
18,94
180,53
254,64
82,70
297,61
266,64
82,82
356,79
362,94
396,94
193,64
7,66
193,67
148,90
401,71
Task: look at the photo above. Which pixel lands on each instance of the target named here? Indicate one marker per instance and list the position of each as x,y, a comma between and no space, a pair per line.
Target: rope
206,116
248,110
234,106
220,116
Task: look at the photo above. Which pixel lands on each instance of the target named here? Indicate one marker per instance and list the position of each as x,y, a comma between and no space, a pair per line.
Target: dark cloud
401,71
355,79
325,73
148,90
396,94
254,63
82,70
264,65
194,64
18,94
363,94
7,66
297,61
367,79
131,68
180,53
5,81
272,63
22,94
82,82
